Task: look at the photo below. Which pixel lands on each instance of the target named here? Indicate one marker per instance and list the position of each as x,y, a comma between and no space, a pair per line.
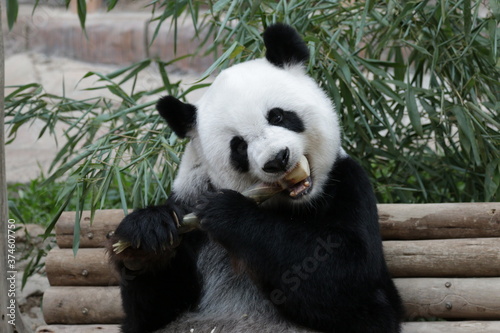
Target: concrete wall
119,38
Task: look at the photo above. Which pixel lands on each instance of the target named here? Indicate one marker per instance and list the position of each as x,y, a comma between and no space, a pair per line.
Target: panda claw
171,239
176,219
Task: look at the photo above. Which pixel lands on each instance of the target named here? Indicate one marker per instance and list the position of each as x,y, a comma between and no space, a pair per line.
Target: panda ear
181,117
284,46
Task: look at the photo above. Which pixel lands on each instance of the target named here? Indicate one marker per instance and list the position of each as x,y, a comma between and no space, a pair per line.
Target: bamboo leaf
12,8
418,48
78,216
224,57
399,71
342,66
62,207
111,4
14,210
413,112
227,16
81,8
492,181
121,190
139,67
467,130
116,90
382,87
193,88
467,19
219,5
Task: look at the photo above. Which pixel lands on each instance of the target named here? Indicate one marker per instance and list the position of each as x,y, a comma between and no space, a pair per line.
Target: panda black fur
313,263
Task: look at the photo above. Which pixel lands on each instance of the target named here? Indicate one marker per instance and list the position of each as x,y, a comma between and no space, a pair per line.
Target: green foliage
33,203
12,11
38,202
417,85
120,148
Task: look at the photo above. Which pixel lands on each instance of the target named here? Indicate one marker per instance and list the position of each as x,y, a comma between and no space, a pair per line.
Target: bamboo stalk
259,193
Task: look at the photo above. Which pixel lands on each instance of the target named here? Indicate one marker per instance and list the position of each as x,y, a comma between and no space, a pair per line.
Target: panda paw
152,229
222,211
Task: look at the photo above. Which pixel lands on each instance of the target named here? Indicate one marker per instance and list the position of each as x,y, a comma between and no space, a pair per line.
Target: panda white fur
304,264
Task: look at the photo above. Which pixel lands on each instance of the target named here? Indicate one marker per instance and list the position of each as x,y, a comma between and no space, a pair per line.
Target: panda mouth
300,189
297,181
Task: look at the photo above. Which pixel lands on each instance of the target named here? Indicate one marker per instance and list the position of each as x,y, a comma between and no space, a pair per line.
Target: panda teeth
300,189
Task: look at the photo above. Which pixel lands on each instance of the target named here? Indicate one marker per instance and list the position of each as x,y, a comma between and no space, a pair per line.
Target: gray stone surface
118,37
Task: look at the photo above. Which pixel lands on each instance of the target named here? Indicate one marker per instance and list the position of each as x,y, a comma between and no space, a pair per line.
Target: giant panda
311,262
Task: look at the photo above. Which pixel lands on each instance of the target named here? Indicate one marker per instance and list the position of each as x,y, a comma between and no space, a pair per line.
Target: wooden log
479,257
82,305
397,221
452,327
90,267
408,327
92,234
78,329
473,298
475,257
467,299
437,221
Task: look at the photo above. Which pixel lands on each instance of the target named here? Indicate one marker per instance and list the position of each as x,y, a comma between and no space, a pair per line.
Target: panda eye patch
286,119
275,116
241,148
239,157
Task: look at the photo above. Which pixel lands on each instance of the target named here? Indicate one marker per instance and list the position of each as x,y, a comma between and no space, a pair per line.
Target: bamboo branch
259,193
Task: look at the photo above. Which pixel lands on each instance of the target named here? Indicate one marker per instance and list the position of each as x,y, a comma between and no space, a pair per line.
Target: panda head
259,117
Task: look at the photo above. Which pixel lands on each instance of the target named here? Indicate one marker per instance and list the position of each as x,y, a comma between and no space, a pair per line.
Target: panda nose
278,163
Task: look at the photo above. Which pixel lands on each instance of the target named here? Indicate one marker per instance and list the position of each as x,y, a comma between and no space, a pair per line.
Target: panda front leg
274,247
158,275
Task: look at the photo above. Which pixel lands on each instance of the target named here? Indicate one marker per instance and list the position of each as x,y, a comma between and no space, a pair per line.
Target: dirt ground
29,297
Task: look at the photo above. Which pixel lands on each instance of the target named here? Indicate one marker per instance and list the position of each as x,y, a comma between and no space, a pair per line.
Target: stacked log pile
445,259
